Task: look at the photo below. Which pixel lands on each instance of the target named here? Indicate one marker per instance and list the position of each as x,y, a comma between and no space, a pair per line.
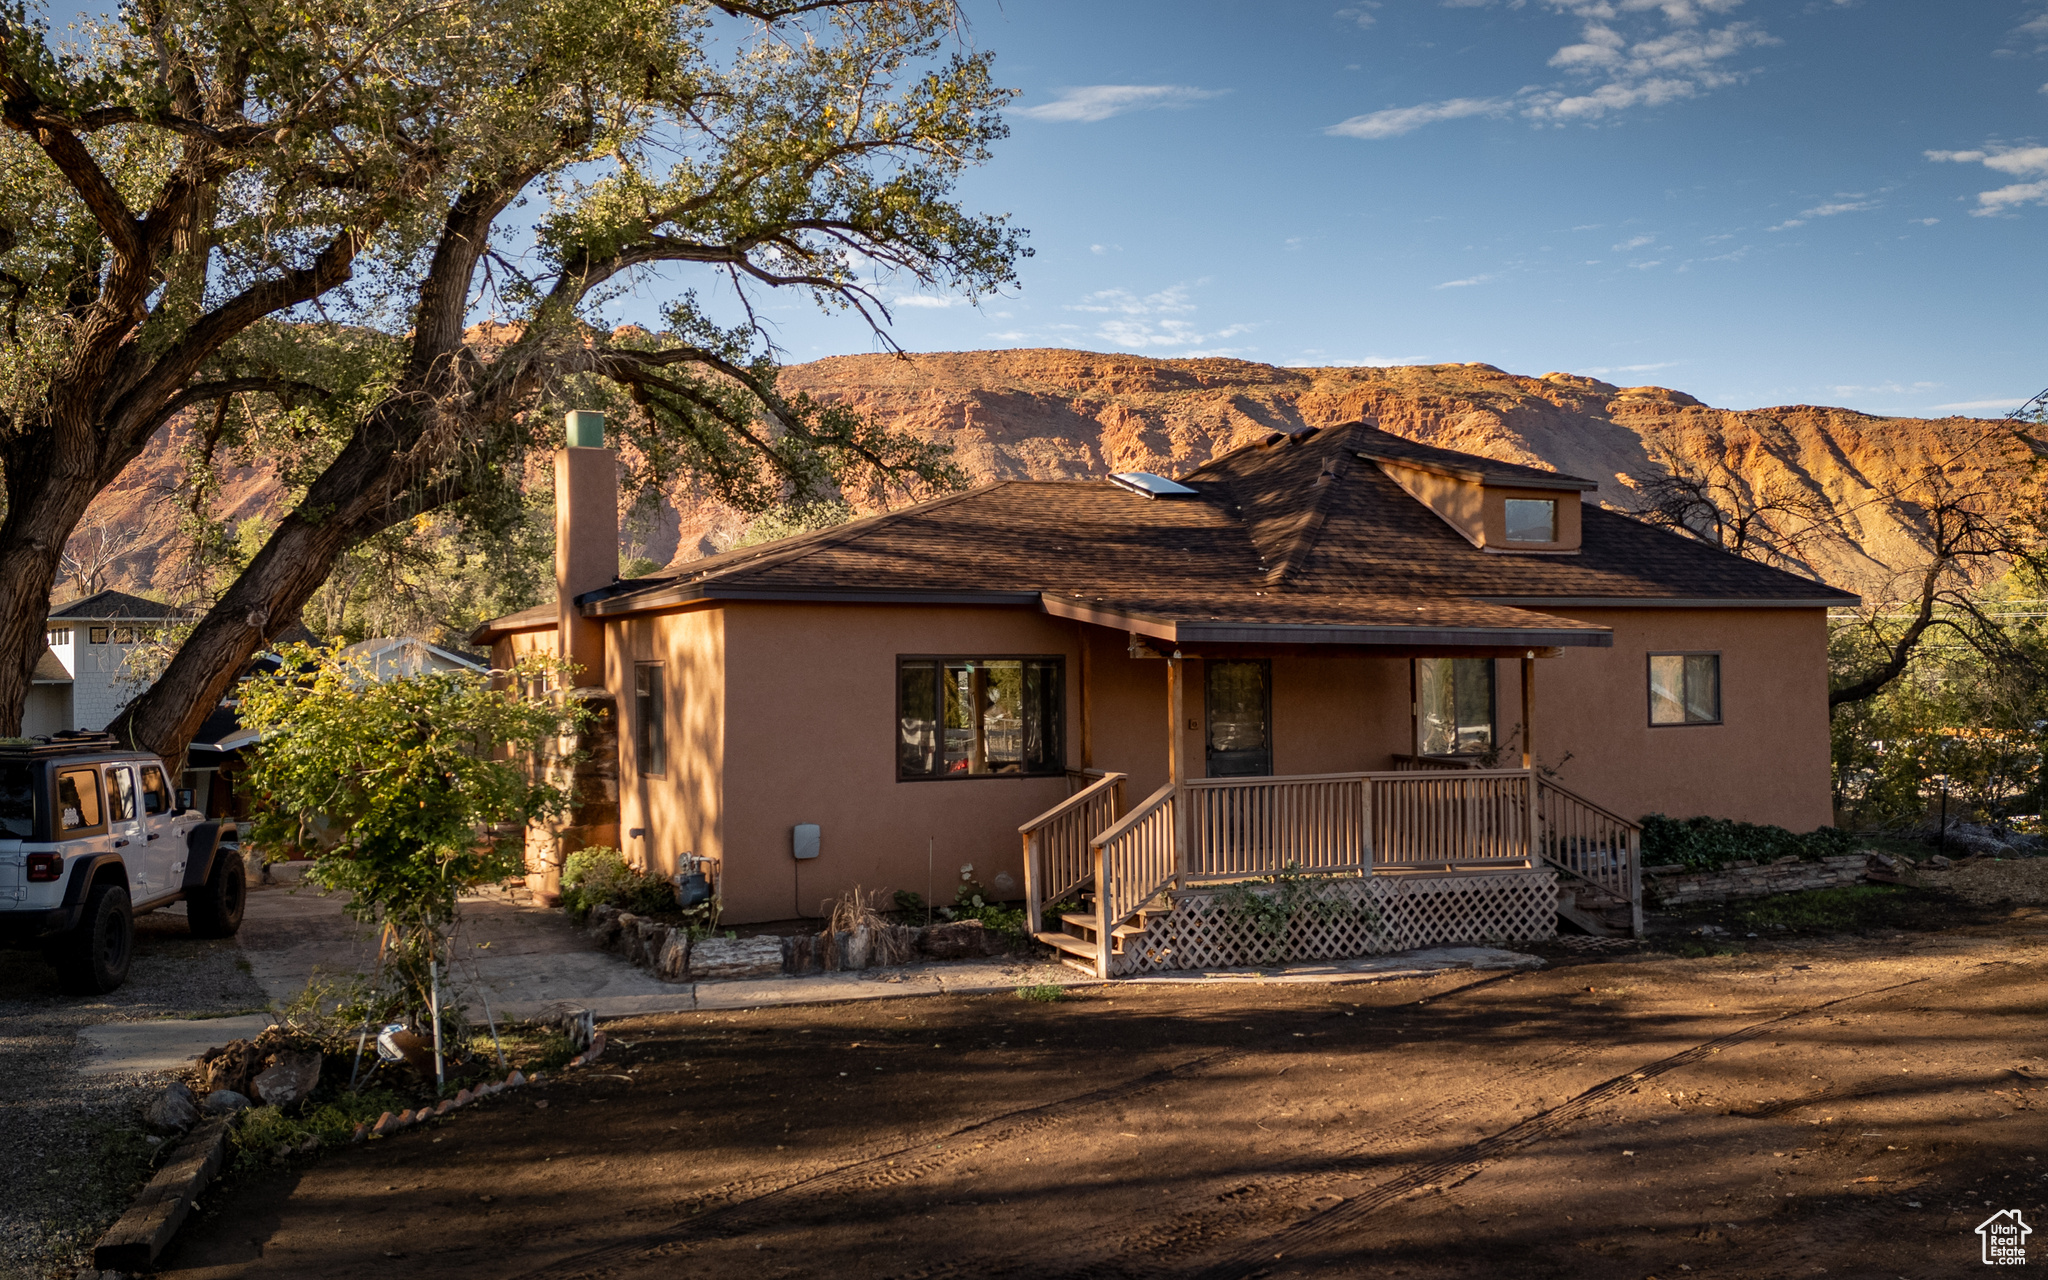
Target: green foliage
911,906
394,783
1705,843
1271,905
791,519
972,902
601,874
266,1135
1852,908
1043,993
1971,718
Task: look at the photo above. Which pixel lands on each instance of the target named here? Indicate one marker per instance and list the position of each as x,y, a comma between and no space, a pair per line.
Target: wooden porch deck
1417,821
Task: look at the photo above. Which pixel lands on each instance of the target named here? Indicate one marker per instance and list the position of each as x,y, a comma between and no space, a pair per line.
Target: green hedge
1706,843
599,874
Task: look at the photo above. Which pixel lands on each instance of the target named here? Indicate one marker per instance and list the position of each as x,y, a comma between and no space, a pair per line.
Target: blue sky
1831,202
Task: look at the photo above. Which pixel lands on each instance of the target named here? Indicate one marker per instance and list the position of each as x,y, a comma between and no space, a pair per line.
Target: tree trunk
50,485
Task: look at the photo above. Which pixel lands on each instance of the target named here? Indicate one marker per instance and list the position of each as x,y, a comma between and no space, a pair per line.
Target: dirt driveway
1848,1108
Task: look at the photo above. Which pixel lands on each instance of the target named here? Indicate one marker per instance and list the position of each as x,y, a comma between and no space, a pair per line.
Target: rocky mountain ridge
1063,414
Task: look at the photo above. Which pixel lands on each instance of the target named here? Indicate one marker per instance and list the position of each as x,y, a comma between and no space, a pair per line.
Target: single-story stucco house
1337,650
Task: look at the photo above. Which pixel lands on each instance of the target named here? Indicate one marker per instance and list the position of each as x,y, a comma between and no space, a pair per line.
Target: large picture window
978,717
650,729
1685,688
1454,706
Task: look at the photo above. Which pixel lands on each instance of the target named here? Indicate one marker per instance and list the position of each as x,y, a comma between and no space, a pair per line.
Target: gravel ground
76,1148
1984,881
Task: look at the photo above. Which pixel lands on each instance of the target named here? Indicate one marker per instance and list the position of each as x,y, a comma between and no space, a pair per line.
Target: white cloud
1104,250
1090,103
1925,222
1630,368
1635,243
1395,121
926,300
1838,207
1629,53
1965,405
1466,283
1645,266
1361,13
2016,161
1139,322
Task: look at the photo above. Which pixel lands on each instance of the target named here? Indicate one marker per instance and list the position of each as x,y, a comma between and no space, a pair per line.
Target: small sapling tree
397,785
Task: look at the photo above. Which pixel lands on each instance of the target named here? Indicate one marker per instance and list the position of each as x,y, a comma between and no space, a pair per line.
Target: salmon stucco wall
681,808
1767,761
810,737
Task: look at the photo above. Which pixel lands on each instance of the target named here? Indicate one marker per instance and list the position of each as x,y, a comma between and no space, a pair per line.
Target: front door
1239,701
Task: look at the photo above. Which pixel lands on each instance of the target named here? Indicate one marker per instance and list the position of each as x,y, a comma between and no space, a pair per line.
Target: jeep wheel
93,958
214,909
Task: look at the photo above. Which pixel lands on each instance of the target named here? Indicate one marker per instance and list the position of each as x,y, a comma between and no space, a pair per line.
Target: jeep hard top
92,833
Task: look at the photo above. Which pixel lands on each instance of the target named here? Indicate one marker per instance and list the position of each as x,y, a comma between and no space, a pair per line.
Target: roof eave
1832,600
1222,631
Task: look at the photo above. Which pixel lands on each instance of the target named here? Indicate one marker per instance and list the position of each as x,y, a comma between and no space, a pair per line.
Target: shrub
601,874
1044,993
1706,843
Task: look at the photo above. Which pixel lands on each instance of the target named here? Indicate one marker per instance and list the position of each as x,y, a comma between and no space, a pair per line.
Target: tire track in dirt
882,1170
904,1164
1461,1166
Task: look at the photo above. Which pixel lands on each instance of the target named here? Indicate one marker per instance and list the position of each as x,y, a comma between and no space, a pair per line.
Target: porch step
1085,926
1069,945
1598,914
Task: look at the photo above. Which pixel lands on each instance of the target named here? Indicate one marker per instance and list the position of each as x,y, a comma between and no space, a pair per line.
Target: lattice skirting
1342,917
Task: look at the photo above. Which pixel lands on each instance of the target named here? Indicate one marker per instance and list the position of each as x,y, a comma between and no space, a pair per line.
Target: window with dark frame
1454,706
96,635
1685,688
962,717
650,719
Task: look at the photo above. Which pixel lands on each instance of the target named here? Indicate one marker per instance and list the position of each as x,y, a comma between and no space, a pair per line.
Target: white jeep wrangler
91,833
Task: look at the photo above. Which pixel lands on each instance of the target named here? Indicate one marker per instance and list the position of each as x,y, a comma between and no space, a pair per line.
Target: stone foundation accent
1674,886
669,953
593,786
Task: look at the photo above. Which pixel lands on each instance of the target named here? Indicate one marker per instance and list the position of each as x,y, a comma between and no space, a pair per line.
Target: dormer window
1532,520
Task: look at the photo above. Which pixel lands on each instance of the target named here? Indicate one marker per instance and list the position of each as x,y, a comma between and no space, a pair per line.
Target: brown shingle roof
1302,534
116,604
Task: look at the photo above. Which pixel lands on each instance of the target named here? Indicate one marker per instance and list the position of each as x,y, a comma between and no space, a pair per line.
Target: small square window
96,635
1685,688
1532,519
124,635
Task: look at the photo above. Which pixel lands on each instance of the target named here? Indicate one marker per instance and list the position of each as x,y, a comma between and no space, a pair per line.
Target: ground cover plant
600,874
1705,843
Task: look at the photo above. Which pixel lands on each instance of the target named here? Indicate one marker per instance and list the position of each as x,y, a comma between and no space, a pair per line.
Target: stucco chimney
586,538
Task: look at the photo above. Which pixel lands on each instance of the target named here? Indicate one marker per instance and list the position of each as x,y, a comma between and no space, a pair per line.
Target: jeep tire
214,909
92,959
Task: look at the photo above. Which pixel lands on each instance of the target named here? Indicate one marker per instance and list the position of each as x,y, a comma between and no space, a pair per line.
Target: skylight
1152,486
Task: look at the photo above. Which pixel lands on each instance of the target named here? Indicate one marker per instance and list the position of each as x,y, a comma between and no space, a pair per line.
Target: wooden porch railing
1406,820
1058,858
1239,827
1134,861
1599,847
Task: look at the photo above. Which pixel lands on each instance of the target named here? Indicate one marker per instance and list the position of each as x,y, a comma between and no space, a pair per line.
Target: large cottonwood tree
302,207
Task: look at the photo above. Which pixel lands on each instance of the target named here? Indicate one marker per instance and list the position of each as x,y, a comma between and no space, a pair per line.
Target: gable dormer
1495,506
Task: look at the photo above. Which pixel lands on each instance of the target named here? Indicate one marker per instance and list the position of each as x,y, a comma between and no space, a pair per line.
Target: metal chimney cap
585,428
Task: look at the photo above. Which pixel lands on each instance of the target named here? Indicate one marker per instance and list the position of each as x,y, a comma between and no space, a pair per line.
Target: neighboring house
394,657
1335,648
91,640
48,709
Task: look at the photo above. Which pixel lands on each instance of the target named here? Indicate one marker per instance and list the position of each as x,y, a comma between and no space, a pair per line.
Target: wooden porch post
1177,765
1529,752
1528,710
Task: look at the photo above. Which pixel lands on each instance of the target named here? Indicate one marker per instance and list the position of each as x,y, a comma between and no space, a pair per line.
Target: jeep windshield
17,801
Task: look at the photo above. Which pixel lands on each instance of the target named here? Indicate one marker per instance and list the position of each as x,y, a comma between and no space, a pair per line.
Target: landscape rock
961,940
628,933
1940,863
176,1109
736,958
289,1079
224,1102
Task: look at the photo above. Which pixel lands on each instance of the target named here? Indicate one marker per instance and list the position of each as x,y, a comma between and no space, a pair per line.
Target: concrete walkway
521,959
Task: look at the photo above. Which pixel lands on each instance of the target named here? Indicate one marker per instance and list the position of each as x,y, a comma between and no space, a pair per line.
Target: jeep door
163,837
124,826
